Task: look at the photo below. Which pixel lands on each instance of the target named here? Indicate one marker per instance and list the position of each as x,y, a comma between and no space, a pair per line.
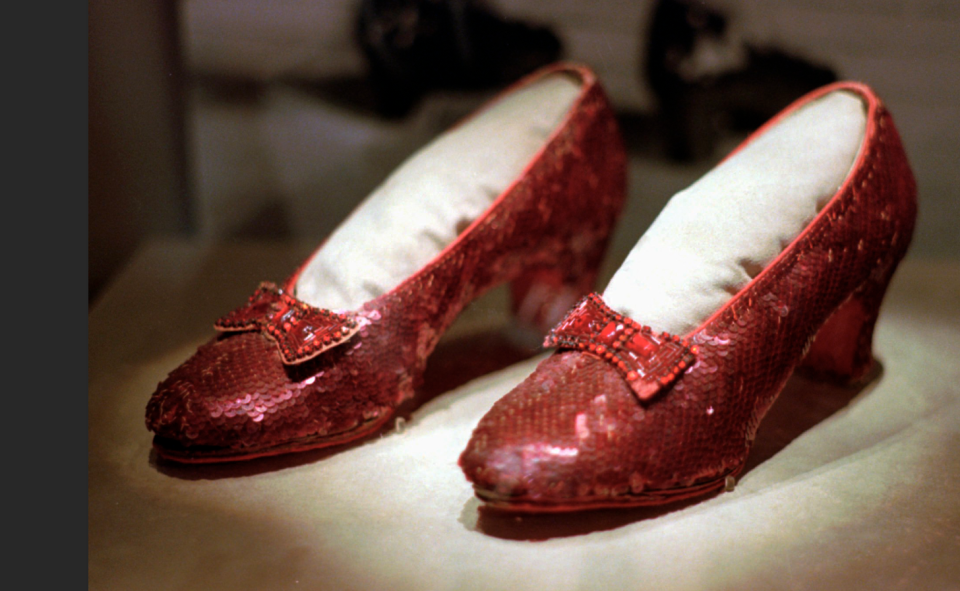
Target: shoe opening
714,237
435,195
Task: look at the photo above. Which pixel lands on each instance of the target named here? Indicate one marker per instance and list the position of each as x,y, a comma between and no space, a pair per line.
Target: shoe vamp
235,390
574,428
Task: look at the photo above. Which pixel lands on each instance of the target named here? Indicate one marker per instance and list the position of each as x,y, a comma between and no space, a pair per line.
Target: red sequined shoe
526,191
777,258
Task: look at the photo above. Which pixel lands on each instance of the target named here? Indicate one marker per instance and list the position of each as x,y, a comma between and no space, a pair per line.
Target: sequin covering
238,397
574,435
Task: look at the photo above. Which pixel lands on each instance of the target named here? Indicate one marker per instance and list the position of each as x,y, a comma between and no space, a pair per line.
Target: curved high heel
327,356
731,302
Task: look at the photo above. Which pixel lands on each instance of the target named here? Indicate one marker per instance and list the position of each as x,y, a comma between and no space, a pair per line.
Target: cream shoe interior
434,195
712,238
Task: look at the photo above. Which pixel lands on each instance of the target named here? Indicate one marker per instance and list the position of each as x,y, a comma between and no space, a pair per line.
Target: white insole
712,238
434,195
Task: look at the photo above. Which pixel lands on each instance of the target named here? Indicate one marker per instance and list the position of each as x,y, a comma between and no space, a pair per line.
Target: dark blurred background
244,120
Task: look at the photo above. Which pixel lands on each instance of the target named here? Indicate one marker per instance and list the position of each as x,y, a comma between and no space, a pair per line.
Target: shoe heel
842,350
573,246
542,295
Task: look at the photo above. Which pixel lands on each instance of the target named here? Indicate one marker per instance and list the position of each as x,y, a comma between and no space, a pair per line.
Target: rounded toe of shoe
232,396
236,399
566,436
171,412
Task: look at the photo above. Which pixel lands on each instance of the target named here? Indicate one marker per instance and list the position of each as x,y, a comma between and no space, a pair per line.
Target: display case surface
845,488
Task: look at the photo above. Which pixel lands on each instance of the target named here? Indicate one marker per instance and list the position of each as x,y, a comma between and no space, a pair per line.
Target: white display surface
846,487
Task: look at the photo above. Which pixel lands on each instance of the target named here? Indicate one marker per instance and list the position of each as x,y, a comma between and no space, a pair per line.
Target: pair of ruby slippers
778,258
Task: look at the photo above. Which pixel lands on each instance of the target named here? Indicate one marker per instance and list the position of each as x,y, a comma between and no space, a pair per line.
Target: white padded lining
712,238
434,195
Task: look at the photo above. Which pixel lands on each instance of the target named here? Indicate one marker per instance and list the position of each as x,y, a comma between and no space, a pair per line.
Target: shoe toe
235,398
233,391
569,432
573,434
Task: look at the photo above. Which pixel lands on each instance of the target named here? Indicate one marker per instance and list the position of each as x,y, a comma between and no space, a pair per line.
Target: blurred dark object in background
415,46
708,82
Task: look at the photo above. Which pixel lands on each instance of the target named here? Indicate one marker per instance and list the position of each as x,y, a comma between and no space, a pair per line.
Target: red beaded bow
647,361
300,330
